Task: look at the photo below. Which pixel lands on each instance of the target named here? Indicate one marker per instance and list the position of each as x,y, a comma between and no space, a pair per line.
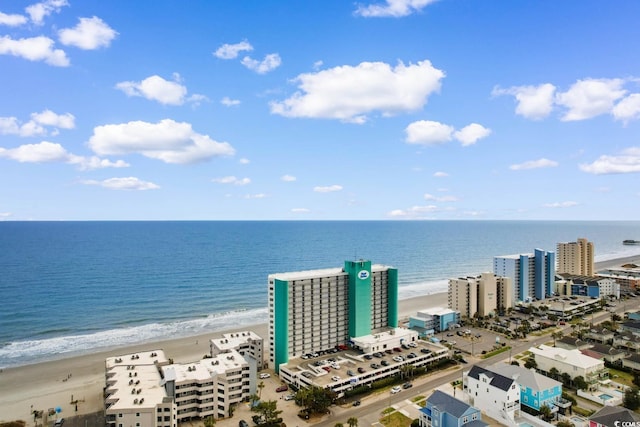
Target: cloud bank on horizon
405,109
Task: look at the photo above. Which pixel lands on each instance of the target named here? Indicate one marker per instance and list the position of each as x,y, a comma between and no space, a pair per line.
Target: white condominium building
134,391
482,295
317,310
247,343
576,258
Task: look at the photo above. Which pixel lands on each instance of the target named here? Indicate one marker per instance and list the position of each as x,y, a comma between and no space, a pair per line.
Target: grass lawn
621,377
396,419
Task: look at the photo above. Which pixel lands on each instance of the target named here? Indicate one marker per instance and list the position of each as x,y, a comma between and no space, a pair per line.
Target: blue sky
396,109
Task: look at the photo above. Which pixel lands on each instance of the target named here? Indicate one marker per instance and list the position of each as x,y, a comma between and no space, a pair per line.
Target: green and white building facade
316,310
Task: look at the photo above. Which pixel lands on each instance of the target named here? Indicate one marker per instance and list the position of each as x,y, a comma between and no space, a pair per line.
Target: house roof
608,416
632,324
526,377
497,380
594,354
635,357
605,349
449,404
572,357
576,342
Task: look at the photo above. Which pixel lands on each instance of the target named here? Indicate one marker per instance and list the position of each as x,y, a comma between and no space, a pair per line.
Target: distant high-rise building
311,311
532,275
576,258
482,295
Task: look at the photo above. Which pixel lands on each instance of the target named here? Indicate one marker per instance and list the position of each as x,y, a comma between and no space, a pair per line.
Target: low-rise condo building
430,321
247,343
571,362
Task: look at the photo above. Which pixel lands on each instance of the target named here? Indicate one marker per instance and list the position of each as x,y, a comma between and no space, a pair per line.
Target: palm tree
556,336
352,422
260,387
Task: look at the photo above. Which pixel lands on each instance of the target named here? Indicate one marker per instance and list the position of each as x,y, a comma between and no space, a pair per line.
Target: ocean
70,288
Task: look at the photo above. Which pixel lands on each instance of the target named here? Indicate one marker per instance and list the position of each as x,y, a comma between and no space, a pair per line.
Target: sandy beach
56,383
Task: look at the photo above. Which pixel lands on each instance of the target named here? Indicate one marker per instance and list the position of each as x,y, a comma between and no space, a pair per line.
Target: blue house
443,410
536,390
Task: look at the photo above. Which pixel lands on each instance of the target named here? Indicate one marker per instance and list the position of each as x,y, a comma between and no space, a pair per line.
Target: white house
498,396
572,362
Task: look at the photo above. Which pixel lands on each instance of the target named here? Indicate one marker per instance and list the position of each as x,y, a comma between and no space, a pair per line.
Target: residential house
613,416
536,390
627,341
632,326
444,410
571,362
498,396
601,335
571,343
632,362
609,354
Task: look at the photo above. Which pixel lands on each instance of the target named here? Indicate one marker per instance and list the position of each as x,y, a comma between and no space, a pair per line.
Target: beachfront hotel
316,310
532,274
480,295
575,258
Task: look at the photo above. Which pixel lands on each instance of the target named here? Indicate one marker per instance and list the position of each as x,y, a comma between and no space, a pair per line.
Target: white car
264,376
289,397
335,378
396,389
412,344
398,358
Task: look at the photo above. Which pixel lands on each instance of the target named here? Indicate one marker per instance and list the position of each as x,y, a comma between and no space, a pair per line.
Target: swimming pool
605,396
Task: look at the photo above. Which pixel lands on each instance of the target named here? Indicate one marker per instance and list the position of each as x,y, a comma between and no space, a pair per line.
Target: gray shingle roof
447,403
608,416
526,377
497,380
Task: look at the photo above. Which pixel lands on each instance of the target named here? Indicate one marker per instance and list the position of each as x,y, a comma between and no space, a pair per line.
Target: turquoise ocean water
74,287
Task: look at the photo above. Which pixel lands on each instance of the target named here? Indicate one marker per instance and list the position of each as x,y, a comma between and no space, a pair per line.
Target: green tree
530,363
353,422
315,400
260,387
209,422
580,383
565,423
553,373
339,425
566,378
268,410
546,413
556,336
631,398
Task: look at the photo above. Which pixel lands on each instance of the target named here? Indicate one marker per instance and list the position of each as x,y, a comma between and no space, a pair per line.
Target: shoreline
56,383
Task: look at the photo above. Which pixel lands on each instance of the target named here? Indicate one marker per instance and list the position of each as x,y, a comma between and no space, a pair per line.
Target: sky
319,110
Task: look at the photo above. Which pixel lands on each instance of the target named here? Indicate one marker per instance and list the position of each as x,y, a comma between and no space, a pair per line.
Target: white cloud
229,102
627,162
34,49
414,212
232,180
167,140
628,108
155,88
327,189
393,8
427,132
590,97
89,34
49,118
428,196
534,102
349,93
128,183
13,20
567,204
534,164
231,51
300,210
48,152
440,174
269,63
288,178
38,11
5,215
244,161
255,196
470,134
36,126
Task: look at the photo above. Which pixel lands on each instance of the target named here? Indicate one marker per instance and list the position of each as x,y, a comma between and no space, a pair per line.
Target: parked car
407,385
356,403
282,388
350,373
425,350
335,378
264,375
243,423
384,362
289,397
374,366
398,358
60,421
361,370
395,390
412,344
